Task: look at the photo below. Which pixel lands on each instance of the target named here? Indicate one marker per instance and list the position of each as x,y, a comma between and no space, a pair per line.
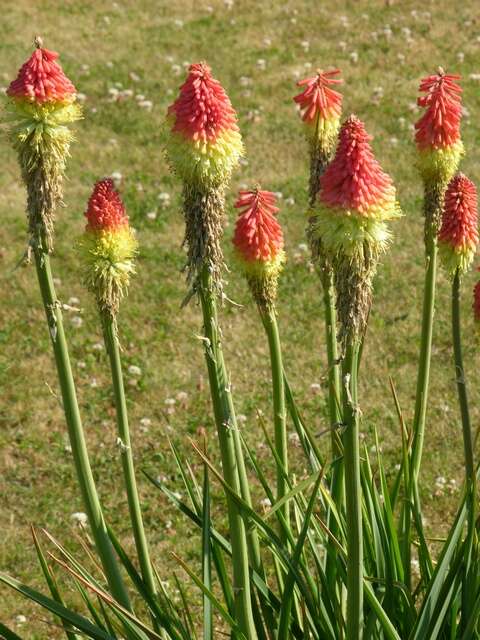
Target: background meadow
127,60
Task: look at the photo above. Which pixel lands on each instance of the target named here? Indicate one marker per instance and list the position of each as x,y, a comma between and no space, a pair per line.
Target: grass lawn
117,52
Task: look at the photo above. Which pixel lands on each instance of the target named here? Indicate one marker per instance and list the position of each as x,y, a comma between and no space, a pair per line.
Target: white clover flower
79,518
116,176
77,321
133,370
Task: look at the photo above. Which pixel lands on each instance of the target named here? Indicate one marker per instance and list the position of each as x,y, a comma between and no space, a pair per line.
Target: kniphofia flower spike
258,240
437,133
458,235
108,247
356,196
41,103
321,106
204,143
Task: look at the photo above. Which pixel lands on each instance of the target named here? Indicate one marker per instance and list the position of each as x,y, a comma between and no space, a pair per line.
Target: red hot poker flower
258,235
105,209
460,215
41,79
203,110
354,180
458,235
439,127
318,99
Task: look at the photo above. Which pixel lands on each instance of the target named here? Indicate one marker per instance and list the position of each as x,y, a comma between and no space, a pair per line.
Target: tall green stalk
334,385
469,579
112,346
269,320
421,399
227,430
461,384
353,494
74,424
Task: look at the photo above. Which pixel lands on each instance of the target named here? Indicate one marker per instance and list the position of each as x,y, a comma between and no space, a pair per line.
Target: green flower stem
334,386
424,364
470,572
227,429
75,429
279,410
113,350
353,494
461,383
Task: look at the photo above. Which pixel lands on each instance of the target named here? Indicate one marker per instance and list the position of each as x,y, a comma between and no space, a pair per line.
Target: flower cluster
438,131
321,106
355,201
41,103
204,143
356,196
108,247
458,235
258,240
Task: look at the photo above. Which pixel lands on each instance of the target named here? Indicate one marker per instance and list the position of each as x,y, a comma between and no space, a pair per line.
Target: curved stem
279,411
353,494
75,428
112,346
226,430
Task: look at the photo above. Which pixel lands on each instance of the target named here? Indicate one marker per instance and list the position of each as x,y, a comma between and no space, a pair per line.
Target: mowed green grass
258,51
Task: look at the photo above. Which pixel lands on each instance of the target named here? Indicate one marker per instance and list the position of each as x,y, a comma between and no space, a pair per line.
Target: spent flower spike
437,132
204,143
458,235
108,247
258,240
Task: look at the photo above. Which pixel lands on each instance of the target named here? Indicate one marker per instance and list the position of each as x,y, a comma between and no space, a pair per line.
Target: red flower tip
41,79
203,110
354,178
476,302
317,99
460,214
258,235
439,126
105,210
